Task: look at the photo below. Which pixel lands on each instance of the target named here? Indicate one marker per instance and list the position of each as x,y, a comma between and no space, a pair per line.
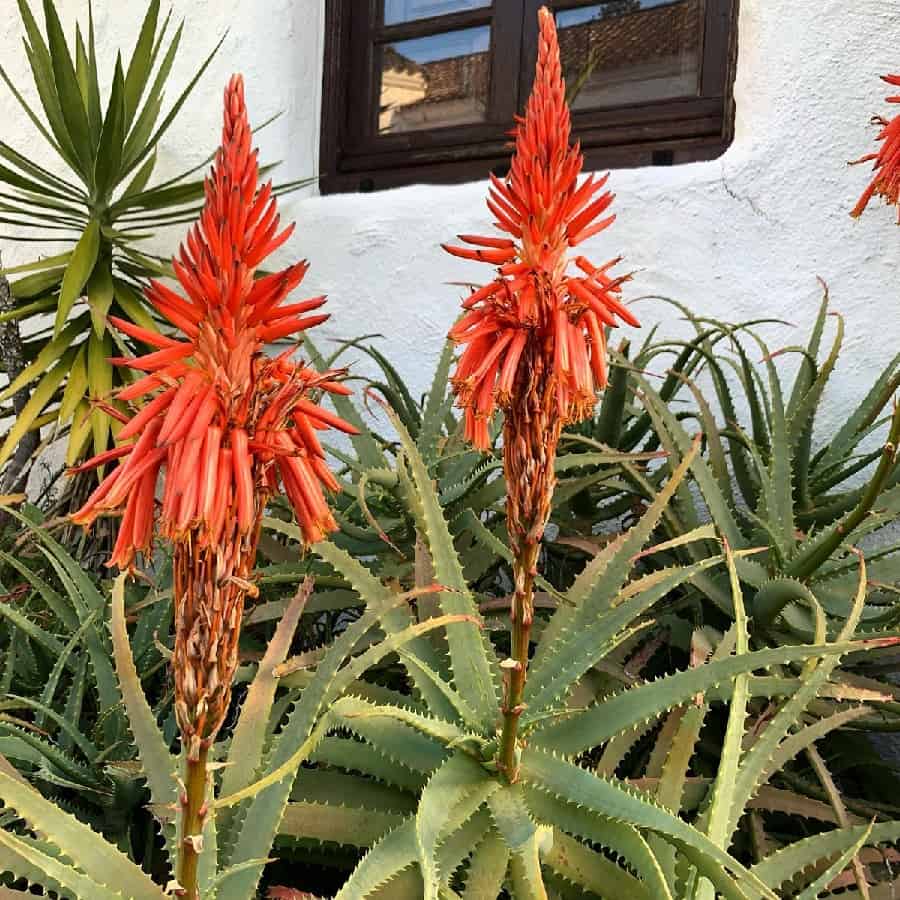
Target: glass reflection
630,51
434,81
408,10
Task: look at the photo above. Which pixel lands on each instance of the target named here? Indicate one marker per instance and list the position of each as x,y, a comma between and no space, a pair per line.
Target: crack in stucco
746,199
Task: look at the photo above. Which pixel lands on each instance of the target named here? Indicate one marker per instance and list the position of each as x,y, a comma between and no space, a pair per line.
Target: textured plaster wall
742,236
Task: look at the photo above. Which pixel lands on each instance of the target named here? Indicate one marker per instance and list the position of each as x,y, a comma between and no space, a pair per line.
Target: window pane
434,81
631,51
407,10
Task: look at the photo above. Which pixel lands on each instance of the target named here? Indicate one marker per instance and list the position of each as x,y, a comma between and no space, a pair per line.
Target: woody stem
521,617
193,813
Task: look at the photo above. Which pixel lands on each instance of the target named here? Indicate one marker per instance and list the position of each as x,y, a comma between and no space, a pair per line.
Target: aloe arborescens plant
535,340
224,422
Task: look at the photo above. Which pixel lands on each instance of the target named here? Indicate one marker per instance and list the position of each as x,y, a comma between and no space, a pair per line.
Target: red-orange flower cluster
886,182
532,300
223,421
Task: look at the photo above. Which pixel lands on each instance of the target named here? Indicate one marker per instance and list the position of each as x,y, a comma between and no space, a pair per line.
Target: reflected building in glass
617,53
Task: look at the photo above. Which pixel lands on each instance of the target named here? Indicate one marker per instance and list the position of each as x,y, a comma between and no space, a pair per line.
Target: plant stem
193,815
521,616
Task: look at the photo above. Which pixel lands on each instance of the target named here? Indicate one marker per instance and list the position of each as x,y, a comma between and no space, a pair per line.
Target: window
426,90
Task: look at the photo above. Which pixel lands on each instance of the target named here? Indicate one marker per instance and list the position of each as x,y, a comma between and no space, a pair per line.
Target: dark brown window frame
662,132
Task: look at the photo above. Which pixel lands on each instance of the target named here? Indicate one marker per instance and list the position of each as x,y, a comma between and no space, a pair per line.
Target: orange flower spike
886,182
546,211
226,426
215,379
533,339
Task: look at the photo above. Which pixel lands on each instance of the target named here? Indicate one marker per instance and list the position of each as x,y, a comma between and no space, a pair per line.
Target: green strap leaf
112,137
37,403
72,106
79,269
140,63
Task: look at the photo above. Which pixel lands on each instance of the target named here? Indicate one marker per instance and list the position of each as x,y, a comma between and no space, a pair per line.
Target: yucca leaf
81,68
80,433
40,397
130,301
44,80
76,383
79,269
141,177
109,151
150,145
99,374
100,295
73,109
140,63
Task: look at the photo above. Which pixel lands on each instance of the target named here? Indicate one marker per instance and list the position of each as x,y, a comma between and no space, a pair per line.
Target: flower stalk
193,817
535,336
225,426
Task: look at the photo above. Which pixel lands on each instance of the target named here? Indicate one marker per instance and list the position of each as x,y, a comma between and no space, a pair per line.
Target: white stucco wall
741,236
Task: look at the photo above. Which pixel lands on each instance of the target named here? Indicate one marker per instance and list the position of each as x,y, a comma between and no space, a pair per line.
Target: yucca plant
105,204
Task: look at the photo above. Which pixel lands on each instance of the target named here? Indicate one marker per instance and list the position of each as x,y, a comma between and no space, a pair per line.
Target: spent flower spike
534,305
886,182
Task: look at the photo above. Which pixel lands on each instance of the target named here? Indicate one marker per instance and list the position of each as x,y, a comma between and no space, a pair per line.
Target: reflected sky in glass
445,46
569,17
408,10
